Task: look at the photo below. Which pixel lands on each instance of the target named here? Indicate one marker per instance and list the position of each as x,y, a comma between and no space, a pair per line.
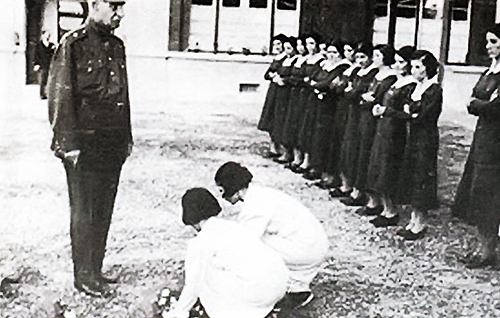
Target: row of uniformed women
360,120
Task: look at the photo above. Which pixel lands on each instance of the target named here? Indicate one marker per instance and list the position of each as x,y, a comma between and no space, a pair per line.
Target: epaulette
71,36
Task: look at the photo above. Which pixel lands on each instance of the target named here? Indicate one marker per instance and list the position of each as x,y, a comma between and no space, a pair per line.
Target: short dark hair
406,52
292,40
198,204
339,45
388,53
365,48
429,61
232,177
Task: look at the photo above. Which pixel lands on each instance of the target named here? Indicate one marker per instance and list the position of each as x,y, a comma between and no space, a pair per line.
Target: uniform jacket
89,107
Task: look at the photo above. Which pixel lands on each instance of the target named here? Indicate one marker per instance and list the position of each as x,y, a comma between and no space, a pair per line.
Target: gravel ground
369,272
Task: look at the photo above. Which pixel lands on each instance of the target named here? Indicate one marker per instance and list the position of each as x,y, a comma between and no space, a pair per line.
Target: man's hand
72,157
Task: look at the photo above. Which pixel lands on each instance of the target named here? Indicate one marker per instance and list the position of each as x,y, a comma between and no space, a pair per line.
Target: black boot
86,282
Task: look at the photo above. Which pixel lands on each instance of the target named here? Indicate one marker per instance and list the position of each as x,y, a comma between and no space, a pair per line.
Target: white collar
279,56
288,61
495,67
300,60
334,65
351,68
383,73
422,87
364,71
403,81
314,58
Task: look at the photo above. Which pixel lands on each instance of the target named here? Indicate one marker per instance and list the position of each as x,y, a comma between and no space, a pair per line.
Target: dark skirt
350,143
386,156
266,122
308,119
484,199
418,182
280,113
366,130
337,135
477,201
322,133
291,126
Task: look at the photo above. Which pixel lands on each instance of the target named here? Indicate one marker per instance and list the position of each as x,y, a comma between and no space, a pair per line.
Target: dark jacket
43,54
89,107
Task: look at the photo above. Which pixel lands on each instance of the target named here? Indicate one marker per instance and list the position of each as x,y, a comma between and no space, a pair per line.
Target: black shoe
302,170
337,193
106,279
350,201
270,154
293,300
478,263
410,236
382,221
367,211
300,299
323,184
294,167
89,288
312,175
93,287
282,160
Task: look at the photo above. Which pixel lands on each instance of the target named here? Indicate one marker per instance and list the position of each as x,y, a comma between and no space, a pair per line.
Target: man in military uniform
90,116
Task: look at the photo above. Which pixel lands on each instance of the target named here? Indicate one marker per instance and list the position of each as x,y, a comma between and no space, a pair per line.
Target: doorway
34,10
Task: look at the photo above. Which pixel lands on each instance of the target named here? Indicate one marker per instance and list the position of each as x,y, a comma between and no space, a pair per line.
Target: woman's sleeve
196,260
431,106
256,222
272,69
324,85
485,108
379,92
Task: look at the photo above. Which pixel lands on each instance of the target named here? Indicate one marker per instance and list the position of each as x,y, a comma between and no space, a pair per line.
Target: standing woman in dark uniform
312,65
477,196
390,139
350,144
325,101
420,162
266,121
383,58
283,98
338,86
294,114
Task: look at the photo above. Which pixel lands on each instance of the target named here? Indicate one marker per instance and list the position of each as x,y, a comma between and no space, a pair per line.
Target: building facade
153,28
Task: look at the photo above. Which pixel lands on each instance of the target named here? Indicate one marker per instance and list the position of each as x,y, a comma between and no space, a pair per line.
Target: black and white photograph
249,158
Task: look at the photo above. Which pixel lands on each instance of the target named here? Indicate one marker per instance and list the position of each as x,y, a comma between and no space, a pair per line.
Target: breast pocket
89,76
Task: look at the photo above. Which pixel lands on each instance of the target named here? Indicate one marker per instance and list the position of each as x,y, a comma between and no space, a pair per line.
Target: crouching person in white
282,223
228,269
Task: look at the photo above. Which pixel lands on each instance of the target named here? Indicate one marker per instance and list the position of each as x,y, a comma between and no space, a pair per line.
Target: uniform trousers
92,195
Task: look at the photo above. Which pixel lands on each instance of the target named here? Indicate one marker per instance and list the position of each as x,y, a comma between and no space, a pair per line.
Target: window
258,3
202,2
231,3
287,5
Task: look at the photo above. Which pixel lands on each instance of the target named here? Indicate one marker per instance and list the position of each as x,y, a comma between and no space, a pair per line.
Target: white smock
287,226
232,273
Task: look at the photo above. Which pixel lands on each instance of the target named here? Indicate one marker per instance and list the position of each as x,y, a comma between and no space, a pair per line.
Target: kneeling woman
282,223
228,269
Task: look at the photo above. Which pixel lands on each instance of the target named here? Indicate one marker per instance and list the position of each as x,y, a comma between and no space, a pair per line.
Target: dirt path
370,272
